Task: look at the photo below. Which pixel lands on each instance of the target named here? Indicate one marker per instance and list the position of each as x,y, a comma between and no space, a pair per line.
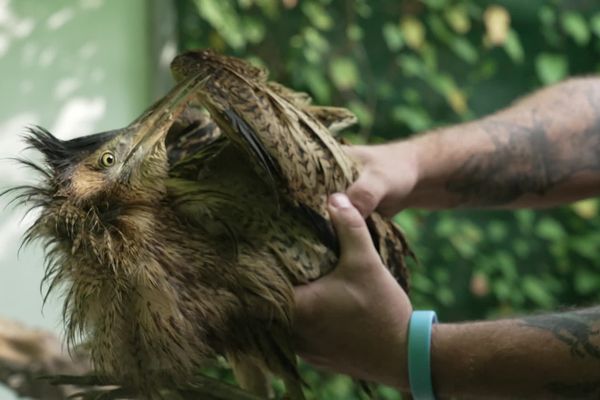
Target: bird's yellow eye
107,159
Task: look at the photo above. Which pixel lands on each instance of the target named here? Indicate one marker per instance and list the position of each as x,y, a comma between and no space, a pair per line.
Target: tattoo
582,390
578,330
526,159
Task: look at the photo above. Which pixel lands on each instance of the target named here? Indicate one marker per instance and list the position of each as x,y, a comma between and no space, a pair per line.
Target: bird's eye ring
107,159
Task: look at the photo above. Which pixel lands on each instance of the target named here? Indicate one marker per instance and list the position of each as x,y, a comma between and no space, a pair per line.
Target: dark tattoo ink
582,390
525,159
578,330
505,174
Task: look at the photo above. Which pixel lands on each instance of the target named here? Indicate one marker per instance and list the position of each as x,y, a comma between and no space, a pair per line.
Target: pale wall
74,67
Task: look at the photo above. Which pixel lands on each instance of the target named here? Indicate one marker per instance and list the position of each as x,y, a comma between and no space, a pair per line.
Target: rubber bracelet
419,354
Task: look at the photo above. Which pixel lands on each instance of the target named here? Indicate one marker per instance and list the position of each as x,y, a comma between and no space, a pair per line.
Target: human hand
355,319
388,176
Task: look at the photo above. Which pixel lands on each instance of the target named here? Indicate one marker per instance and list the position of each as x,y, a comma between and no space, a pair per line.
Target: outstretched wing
192,141
334,119
293,148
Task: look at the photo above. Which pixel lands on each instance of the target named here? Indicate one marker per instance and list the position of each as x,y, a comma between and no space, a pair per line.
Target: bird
180,237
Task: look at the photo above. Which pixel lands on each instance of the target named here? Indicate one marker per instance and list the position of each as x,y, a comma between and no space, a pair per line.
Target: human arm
355,321
542,151
553,356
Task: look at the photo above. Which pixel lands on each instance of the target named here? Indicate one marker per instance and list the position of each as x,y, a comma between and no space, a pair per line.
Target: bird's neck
121,293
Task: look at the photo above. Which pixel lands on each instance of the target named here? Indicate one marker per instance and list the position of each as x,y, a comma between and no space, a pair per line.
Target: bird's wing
293,148
334,119
193,144
299,99
192,140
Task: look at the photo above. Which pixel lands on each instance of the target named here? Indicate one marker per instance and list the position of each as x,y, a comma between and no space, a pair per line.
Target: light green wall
74,67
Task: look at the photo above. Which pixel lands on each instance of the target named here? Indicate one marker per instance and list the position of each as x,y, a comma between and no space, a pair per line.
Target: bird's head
124,166
117,168
96,191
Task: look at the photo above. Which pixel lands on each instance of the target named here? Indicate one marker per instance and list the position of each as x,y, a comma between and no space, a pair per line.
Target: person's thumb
366,193
356,246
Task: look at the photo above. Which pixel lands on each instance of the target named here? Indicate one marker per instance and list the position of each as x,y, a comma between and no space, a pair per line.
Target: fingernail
340,200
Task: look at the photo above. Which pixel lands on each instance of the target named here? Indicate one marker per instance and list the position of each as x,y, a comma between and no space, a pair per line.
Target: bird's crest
58,153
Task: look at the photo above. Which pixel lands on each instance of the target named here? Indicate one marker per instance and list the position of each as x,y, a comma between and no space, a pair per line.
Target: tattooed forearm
516,166
582,390
536,155
554,356
580,331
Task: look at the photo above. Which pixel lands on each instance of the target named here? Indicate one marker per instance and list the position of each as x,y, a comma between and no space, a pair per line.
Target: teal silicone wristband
419,354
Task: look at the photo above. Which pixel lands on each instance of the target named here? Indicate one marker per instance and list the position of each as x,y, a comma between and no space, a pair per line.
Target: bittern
181,236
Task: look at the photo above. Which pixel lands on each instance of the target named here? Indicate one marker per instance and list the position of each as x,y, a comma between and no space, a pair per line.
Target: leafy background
410,66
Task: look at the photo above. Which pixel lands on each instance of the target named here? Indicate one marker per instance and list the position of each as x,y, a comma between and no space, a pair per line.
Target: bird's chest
138,325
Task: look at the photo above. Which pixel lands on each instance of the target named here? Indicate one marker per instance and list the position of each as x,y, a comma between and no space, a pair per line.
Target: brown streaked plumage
180,237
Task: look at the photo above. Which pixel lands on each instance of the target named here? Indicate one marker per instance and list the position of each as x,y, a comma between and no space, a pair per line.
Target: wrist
456,357
444,359
400,359
436,157
419,354
427,158
393,356
400,175
416,154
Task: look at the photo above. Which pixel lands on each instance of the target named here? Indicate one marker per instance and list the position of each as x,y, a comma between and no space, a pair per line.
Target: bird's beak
153,125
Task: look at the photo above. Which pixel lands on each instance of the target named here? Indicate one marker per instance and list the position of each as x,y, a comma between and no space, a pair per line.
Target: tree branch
26,354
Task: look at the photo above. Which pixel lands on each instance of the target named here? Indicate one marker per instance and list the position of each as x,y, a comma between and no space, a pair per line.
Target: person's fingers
359,153
368,190
366,193
355,240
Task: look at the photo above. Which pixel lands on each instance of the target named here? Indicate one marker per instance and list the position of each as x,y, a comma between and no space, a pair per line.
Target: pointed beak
153,125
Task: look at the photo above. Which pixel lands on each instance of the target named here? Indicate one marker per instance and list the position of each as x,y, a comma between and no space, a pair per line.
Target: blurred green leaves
393,36
343,73
551,68
514,48
575,26
316,13
352,51
595,24
220,15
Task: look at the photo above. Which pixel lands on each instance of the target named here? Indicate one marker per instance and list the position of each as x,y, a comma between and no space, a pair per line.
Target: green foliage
409,66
